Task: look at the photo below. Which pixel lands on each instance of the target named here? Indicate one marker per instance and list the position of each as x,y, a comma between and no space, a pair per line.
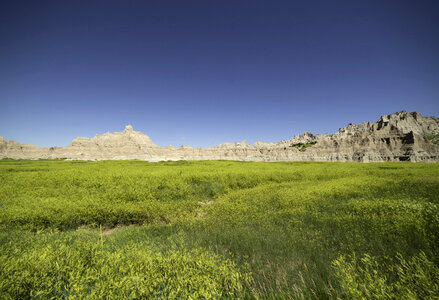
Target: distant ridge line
401,136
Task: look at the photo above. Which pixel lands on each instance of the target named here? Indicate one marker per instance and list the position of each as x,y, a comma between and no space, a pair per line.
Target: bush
302,146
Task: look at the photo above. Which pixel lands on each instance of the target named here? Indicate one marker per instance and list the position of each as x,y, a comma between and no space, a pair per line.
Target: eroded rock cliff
401,136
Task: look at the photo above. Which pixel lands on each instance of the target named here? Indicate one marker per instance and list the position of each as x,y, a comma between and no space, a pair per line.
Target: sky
206,72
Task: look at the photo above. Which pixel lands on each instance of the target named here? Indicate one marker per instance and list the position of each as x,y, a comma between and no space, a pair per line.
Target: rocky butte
401,136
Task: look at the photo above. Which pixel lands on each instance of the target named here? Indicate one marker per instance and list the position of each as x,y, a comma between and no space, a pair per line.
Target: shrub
302,146
434,138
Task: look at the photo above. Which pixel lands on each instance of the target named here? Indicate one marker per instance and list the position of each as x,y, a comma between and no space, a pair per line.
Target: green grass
218,229
303,146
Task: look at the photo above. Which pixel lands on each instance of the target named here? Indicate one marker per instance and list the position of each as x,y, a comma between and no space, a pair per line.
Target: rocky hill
401,136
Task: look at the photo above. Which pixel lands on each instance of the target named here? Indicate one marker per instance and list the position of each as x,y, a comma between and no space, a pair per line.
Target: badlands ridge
401,136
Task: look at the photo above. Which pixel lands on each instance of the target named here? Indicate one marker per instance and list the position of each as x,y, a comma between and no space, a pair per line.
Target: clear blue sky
206,72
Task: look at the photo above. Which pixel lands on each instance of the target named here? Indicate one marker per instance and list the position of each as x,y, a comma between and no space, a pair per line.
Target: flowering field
215,229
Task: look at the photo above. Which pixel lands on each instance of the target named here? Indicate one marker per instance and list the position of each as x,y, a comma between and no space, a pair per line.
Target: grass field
217,229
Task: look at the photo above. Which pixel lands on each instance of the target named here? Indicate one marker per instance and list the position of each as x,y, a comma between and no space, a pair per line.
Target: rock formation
401,136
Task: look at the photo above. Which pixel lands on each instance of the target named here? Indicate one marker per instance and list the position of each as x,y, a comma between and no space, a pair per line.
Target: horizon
177,146
201,74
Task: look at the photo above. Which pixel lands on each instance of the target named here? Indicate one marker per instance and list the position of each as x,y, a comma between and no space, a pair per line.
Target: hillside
401,136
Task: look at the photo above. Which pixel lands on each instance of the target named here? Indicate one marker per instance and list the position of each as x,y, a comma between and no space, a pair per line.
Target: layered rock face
400,136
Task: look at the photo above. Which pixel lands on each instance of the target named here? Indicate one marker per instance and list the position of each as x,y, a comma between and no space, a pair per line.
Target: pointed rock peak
79,138
128,128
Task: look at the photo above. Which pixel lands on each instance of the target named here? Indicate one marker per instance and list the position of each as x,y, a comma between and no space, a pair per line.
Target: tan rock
397,137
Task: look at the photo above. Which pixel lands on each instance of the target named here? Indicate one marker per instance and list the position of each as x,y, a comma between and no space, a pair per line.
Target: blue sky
207,72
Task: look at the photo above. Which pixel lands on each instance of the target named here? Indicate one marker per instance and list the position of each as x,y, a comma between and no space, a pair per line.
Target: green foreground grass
218,229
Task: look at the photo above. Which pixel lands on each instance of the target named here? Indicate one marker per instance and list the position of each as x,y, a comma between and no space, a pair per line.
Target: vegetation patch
218,229
434,138
81,265
303,146
415,278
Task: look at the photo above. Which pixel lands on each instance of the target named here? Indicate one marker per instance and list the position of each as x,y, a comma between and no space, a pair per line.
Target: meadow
218,229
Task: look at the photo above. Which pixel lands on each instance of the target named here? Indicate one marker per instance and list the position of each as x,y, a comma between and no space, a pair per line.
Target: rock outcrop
401,136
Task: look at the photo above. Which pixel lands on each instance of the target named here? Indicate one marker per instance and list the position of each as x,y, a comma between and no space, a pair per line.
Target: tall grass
218,229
